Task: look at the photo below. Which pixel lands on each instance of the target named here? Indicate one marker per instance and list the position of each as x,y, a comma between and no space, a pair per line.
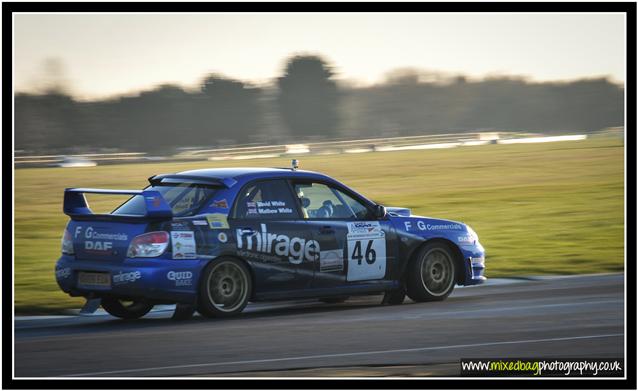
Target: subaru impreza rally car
212,240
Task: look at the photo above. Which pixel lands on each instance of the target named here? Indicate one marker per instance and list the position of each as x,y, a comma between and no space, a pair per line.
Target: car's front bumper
474,258
161,280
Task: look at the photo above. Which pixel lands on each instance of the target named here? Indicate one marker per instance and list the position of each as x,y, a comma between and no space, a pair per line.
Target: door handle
326,230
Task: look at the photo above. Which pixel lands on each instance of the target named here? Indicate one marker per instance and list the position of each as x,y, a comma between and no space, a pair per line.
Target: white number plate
94,279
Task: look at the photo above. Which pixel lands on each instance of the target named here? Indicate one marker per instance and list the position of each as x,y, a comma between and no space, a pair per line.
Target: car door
354,245
271,235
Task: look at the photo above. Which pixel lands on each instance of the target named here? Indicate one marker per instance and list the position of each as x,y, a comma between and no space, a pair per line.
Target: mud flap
394,297
183,311
91,306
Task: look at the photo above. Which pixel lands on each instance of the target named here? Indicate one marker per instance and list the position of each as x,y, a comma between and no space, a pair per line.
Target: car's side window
266,200
359,210
184,198
187,199
320,201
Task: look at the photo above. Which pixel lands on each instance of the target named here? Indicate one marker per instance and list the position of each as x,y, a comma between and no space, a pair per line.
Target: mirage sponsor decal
180,278
126,277
294,248
423,226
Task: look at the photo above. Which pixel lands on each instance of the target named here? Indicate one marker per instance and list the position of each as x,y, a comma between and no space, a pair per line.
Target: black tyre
126,309
432,274
224,288
334,300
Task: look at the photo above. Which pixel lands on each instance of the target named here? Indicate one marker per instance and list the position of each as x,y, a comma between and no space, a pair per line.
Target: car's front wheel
432,273
126,309
224,288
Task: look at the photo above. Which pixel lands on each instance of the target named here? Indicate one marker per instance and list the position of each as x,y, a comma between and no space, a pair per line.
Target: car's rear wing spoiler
75,205
195,179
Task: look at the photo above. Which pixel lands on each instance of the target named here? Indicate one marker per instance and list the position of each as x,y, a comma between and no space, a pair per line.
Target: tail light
151,244
67,243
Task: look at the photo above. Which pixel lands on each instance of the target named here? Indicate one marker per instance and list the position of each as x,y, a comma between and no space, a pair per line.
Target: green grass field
554,208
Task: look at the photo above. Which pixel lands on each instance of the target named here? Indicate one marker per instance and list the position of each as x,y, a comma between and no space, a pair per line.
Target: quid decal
180,278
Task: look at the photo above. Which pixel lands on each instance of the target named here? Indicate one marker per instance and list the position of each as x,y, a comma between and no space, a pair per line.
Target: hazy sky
106,54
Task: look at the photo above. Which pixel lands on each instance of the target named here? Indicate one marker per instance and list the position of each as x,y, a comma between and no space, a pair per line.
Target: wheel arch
251,272
456,252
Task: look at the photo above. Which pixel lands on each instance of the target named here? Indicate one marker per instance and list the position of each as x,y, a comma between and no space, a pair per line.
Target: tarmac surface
536,317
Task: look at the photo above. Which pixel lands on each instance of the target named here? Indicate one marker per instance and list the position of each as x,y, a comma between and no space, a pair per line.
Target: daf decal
98,246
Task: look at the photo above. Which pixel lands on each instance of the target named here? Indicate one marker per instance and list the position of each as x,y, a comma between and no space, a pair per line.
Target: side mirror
379,211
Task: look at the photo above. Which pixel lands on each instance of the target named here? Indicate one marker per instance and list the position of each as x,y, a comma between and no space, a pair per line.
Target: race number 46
366,251
370,253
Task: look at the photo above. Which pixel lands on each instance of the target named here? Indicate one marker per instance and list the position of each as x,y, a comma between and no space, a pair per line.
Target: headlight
471,232
470,238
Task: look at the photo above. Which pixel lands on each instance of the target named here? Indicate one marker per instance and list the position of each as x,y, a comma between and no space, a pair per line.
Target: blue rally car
212,240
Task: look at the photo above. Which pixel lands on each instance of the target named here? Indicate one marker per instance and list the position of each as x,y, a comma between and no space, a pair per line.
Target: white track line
335,355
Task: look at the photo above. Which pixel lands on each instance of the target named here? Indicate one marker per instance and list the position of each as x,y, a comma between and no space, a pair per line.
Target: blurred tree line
307,103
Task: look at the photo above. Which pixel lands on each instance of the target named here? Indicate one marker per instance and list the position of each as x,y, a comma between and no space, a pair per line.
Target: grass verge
553,208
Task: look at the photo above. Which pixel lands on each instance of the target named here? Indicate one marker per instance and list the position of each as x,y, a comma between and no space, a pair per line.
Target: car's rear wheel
224,289
126,309
432,273
334,300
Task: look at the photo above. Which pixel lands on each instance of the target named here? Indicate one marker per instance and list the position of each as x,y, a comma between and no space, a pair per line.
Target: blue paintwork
417,229
151,277
152,282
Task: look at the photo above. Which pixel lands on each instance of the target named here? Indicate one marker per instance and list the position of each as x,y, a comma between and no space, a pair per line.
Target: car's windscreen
185,199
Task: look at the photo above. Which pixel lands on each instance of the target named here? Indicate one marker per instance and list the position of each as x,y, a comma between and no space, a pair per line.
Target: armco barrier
252,151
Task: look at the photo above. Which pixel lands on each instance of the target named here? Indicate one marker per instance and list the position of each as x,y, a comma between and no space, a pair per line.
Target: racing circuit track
579,316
